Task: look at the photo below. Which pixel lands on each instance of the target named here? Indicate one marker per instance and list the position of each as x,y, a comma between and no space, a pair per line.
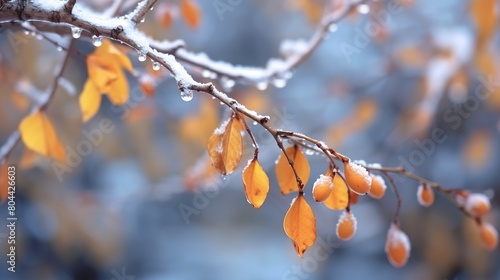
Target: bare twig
141,10
14,138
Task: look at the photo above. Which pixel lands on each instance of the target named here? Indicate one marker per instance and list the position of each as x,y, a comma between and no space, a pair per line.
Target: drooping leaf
191,13
90,101
338,198
300,224
105,68
256,183
108,49
100,72
225,146
39,135
285,174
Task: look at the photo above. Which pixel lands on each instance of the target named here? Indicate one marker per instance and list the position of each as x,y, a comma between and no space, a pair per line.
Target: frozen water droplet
363,9
156,66
76,32
279,83
152,8
255,123
333,27
141,57
39,36
187,95
261,85
309,152
59,48
223,177
213,97
26,32
33,33
143,19
221,103
227,83
96,41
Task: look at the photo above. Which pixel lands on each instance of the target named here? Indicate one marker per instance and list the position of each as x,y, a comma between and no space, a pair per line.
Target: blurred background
144,203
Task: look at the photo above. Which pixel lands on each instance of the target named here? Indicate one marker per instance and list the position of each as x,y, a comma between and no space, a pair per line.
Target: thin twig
143,7
14,138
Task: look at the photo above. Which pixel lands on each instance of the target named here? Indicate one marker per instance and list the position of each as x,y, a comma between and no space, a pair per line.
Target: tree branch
140,12
14,138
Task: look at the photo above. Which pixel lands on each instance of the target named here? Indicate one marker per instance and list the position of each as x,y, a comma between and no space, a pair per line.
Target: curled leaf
300,224
256,183
225,146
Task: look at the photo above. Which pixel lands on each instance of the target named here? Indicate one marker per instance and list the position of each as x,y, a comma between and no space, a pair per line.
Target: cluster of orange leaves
335,190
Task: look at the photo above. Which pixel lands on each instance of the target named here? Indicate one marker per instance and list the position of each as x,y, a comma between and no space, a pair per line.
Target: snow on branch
104,25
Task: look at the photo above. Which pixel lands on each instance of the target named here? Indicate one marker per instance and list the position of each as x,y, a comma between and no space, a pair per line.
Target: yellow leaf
338,198
4,183
105,69
225,146
285,174
118,93
100,72
300,224
39,135
90,101
256,183
107,48
190,13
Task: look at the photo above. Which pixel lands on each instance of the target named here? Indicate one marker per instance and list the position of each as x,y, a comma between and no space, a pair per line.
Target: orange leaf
90,101
338,198
4,183
284,172
225,146
300,224
39,135
485,15
191,13
256,183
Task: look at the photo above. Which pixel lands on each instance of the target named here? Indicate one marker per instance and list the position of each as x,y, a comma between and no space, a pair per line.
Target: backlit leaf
90,101
338,198
39,135
300,224
256,183
225,146
190,13
285,174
